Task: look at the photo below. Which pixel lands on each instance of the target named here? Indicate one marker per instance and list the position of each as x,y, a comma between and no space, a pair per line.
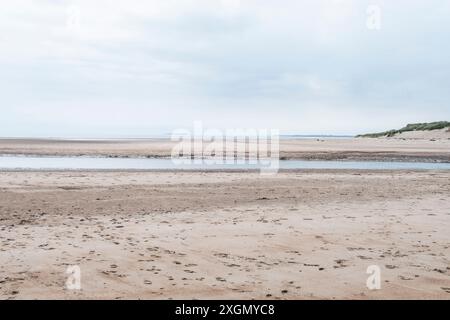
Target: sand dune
440,134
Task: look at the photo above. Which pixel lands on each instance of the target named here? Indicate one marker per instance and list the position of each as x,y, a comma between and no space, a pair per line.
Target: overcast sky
135,68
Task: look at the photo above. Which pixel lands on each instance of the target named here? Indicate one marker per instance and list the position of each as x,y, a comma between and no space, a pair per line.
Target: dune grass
410,127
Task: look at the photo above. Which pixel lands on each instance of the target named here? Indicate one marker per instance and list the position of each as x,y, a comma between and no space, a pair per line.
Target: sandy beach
225,150
228,235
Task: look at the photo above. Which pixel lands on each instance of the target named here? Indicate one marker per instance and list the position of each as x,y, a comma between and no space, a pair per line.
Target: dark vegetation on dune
410,127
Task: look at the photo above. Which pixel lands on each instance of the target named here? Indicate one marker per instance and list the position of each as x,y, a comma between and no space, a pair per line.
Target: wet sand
300,149
229,235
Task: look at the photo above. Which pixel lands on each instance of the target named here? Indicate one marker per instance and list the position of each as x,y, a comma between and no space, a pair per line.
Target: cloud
304,66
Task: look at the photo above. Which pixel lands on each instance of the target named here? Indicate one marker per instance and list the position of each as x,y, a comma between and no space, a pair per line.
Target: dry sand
440,134
296,235
308,149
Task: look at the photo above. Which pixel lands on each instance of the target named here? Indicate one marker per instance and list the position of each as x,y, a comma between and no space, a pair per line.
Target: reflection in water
74,163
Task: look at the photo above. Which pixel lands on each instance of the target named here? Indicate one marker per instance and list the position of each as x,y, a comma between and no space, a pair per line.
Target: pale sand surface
295,235
431,134
309,149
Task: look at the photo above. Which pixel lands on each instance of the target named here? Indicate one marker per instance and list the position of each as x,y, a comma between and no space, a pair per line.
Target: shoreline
352,149
225,171
345,156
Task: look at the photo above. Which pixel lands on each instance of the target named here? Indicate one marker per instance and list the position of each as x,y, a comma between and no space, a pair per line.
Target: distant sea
314,137
168,135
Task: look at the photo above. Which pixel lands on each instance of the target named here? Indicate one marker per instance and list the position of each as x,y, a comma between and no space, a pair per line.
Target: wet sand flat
230,235
301,149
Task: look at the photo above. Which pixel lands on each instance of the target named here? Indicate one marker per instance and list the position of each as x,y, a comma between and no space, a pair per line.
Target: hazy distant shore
364,149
